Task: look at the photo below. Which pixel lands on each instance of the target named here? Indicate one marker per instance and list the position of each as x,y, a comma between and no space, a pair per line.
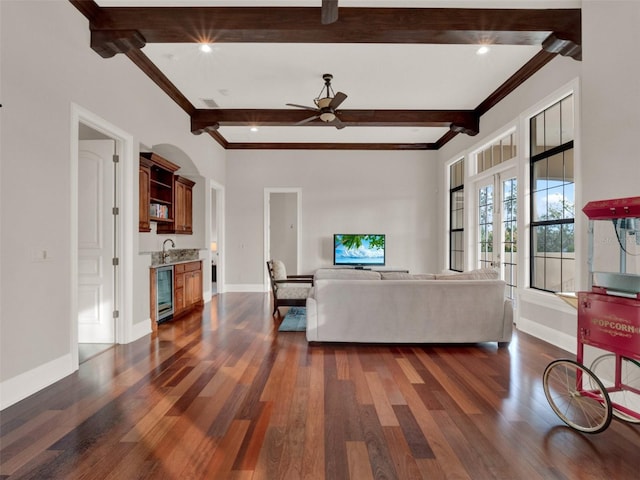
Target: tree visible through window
553,198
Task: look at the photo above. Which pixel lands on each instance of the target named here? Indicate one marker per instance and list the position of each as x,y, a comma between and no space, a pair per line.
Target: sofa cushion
479,274
345,274
407,276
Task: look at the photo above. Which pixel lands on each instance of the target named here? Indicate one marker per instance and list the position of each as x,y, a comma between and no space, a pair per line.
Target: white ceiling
374,76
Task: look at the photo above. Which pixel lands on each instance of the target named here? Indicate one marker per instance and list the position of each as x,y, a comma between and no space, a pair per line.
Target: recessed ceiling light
254,129
205,47
483,50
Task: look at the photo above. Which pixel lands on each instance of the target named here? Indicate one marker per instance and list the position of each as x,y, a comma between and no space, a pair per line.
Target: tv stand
358,267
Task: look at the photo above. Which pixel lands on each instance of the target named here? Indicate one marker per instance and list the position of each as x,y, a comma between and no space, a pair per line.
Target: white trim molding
21,386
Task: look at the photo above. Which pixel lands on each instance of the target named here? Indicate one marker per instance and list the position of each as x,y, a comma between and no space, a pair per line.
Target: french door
497,226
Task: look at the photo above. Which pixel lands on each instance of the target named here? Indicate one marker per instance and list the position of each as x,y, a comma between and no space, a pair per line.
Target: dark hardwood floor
221,394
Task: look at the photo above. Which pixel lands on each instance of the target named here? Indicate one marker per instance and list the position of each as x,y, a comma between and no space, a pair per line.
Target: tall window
510,235
485,227
553,198
456,216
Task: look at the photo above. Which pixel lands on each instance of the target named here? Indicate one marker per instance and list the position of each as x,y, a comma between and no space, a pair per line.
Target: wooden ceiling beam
381,25
465,121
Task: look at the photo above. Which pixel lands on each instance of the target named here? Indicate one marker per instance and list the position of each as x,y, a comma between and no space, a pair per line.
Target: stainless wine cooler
164,293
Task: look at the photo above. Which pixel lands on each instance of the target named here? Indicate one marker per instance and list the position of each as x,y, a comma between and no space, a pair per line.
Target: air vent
210,102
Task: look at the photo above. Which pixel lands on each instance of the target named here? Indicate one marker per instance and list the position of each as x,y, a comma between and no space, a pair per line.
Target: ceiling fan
329,11
325,106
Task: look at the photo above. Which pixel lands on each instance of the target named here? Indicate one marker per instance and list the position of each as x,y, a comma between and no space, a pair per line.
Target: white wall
342,191
45,68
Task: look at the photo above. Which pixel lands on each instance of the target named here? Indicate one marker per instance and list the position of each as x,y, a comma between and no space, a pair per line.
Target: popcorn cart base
584,398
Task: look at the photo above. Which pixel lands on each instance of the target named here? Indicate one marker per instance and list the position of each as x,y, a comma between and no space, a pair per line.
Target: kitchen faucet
166,254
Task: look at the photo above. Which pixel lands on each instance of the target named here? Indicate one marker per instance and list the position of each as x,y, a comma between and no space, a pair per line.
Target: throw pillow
279,270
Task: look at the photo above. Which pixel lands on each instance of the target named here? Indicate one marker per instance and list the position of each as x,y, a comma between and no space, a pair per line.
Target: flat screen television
360,250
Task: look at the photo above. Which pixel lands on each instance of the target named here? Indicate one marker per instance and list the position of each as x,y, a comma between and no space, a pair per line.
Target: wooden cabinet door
180,210
188,210
144,176
193,284
197,287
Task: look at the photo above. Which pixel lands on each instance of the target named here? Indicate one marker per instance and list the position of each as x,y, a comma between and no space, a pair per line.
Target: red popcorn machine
586,398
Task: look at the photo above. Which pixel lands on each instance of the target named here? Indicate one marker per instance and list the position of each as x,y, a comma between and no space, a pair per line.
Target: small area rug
295,320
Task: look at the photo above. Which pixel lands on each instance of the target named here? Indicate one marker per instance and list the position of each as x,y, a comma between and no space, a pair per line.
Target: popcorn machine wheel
586,398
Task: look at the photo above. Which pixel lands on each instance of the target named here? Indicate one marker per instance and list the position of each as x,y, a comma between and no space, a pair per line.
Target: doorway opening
282,229
101,241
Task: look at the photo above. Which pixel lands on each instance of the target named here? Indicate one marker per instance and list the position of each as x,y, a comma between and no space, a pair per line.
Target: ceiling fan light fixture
323,102
327,117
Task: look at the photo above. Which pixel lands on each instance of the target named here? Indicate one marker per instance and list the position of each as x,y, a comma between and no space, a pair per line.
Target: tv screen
358,250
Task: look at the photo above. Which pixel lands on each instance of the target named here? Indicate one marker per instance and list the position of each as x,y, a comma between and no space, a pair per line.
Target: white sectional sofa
373,307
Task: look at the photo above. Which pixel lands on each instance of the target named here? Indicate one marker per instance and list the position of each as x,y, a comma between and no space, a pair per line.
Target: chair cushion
293,293
279,270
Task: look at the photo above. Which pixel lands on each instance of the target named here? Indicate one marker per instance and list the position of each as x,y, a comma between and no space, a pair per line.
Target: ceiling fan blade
337,100
329,11
338,124
313,109
307,120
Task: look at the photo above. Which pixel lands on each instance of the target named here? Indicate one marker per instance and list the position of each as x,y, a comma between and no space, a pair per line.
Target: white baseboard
554,337
140,329
255,287
21,386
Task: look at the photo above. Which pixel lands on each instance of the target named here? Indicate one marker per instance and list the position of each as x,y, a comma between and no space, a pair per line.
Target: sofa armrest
508,323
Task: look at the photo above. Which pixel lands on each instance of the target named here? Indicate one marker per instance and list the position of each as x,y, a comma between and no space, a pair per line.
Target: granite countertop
168,264
176,256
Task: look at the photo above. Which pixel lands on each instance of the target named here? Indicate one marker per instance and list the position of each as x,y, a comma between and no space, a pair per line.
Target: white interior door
497,227
96,242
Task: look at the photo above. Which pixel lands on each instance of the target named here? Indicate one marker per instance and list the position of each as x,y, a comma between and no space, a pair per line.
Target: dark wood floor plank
222,394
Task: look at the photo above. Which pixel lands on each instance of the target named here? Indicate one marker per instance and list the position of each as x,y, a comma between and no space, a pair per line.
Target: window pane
487,158
496,154
479,160
553,241
552,127
568,166
555,170
540,175
568,275
555,203
538,272
552,274
537,134
539,240
566,107
568,240
569,201
539,200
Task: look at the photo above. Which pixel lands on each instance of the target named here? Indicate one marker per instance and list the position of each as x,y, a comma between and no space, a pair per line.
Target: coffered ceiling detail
411,72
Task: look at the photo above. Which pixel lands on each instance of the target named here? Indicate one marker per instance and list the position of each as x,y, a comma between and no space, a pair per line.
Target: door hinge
115,211
116,313
115,261
116,158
